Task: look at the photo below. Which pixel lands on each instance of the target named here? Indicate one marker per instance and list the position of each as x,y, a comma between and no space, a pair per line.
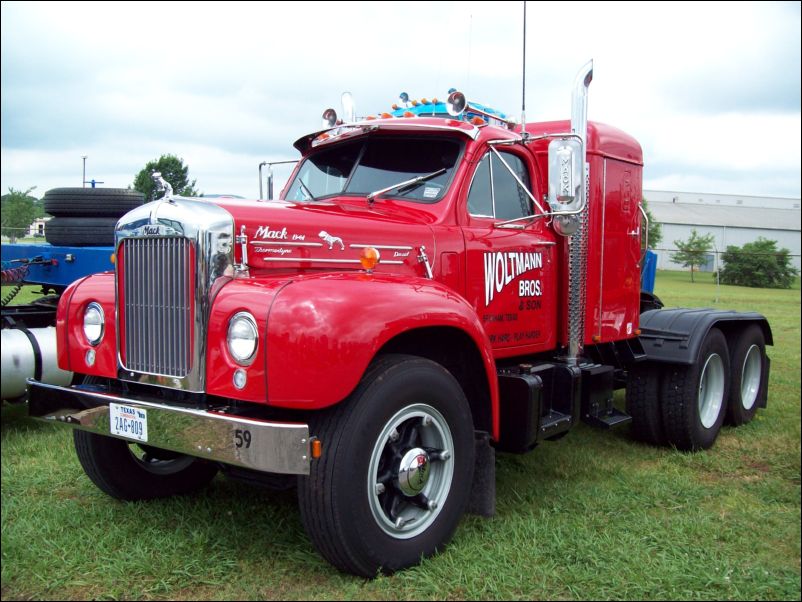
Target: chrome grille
157,305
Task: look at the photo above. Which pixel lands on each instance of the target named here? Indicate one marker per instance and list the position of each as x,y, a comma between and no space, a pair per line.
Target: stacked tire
87,216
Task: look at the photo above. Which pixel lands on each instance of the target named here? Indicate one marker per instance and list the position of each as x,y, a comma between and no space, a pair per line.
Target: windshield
364,166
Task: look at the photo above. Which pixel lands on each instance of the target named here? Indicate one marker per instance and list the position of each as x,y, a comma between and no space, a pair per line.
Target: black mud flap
482,500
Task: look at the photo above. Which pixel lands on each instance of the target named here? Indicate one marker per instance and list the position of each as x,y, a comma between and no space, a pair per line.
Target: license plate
128,422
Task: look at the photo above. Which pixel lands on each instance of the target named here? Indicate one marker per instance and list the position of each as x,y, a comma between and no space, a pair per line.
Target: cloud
705,89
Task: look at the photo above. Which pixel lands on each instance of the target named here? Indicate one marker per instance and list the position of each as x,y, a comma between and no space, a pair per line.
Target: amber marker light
317,448
477,121
113,258
409,114
386,116
369,258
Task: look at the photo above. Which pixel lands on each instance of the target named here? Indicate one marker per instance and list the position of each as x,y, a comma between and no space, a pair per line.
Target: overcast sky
711,91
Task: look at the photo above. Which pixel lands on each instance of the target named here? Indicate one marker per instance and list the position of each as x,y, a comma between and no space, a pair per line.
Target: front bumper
280,447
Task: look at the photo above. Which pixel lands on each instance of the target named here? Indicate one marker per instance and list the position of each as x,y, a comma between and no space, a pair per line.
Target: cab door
510,270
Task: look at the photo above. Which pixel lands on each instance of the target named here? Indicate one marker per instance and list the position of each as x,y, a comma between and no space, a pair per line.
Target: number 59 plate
129,422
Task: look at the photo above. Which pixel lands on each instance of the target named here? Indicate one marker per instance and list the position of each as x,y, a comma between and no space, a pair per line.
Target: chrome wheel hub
711,390
751,374
410,471
413,472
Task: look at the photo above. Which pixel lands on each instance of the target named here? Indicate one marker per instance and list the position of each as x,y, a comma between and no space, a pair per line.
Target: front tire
130,472
396,470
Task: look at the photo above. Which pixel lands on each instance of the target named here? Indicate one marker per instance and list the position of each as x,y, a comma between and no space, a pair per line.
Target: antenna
470,47
523,84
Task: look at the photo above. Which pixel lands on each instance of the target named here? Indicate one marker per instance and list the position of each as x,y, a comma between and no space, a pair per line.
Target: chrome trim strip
387,247
274,446
314,259
287,244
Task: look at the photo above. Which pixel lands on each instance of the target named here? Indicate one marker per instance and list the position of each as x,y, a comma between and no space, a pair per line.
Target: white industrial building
732,219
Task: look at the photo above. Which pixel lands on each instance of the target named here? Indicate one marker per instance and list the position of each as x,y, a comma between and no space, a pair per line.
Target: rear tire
748,364
643,404
694,398
130,472
366,503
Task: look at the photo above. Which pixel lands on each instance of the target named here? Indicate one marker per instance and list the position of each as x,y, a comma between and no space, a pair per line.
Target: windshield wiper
306,189
409,184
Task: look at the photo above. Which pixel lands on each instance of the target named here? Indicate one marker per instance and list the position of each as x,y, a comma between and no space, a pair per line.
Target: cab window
495,192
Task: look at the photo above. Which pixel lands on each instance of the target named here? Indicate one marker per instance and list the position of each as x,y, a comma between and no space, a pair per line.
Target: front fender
71,344
324,331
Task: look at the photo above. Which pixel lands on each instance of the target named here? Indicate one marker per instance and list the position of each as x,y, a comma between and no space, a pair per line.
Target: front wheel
129,471
396,469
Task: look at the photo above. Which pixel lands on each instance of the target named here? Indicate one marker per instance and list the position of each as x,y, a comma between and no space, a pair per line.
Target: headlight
94,322
242,337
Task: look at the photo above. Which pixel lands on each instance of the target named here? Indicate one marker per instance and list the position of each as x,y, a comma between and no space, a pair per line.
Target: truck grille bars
156,301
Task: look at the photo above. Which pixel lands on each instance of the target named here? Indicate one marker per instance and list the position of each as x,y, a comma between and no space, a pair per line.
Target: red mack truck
427,289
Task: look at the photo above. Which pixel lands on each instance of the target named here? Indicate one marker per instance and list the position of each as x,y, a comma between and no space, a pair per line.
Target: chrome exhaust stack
578,241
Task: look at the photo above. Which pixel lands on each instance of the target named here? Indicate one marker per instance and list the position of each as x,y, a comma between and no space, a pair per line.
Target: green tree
173,170
692,252
655,228
17,213
758,264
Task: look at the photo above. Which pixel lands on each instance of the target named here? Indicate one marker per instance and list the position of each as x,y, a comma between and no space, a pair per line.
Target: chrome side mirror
565,174
566,183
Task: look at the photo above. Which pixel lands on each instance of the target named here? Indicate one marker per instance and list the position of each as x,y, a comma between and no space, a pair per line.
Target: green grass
27,294
592,516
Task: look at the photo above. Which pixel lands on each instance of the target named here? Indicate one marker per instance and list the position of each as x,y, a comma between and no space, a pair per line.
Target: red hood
331,235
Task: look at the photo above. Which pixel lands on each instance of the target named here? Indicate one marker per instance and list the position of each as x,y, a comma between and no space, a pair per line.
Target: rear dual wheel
748,361
728,382
694,397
